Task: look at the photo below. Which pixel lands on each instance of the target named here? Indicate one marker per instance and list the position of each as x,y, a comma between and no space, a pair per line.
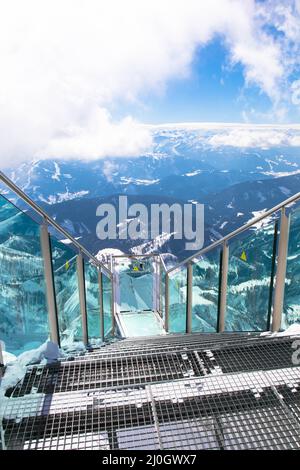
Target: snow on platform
199,394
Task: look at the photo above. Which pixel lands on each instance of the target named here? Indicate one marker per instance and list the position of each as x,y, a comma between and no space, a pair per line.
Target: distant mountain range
234,184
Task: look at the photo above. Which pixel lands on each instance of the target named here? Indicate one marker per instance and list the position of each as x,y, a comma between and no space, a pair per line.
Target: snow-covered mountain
235,172
191,161
224,211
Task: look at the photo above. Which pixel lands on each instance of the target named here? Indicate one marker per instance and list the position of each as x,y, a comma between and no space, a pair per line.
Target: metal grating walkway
201,393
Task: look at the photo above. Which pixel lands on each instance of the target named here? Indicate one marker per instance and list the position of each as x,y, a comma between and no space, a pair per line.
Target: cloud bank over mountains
67,65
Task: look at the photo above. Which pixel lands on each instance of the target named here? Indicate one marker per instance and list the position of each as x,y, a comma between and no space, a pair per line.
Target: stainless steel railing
223,243
280,276
238,231
7,181
48,267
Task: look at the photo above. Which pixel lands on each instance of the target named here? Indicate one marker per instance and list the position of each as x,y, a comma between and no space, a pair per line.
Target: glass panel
206,274
23,304
92,300
162,291
107,304
135,324
249,279
177,302
136,284
67,295
291,308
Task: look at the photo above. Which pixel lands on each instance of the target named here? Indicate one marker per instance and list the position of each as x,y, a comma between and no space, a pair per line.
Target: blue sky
215,91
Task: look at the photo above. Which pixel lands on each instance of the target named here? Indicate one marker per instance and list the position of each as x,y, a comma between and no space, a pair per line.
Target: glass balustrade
92,300
107,305
177,301
23,299
162,291
66,290
249,280
141,285
23,306
291,308
206,279
136,284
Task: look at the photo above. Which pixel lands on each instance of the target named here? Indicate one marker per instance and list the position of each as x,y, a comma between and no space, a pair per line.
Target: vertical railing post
49,280
189,297
167,302
223,288
281,270
113,310
101,304
113,314
157,284
272,277
82,297
160,289
1,356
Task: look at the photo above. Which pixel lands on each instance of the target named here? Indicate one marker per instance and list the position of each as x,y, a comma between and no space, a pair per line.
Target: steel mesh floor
236,395
104,371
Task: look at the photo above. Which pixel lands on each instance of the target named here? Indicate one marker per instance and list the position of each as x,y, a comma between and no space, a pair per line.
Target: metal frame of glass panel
279,249
291,305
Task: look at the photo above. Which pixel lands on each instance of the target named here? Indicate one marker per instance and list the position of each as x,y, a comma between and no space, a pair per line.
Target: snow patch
8,357
57,173
193,173
152,246
66,241
104,255
262,222
223,224
47,353
138,182
61,197
279,174
285,191
290,331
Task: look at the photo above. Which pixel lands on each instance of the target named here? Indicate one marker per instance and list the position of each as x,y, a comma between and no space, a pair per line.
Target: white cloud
98,137
65,64
215,135
256,137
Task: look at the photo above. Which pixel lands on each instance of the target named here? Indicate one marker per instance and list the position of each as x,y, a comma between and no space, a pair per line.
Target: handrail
7,181
132,255
147,255
236,232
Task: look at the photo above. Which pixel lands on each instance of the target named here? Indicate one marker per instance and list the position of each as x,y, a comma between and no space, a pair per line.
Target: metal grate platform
104,371
230,395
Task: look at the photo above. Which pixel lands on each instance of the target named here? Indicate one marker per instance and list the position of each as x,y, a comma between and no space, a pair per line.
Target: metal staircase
186,392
